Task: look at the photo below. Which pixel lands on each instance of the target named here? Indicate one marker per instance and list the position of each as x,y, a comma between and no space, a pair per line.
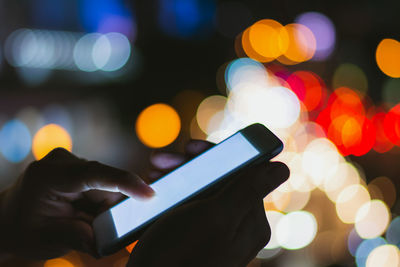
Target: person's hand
50,209
228,228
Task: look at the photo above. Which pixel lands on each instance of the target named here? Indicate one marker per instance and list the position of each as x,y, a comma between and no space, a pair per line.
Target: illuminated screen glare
185,181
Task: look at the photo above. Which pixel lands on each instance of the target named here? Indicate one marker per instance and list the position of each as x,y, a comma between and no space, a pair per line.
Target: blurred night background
112,80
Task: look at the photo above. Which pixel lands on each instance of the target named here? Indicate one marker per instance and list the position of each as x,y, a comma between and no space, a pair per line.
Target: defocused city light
273,219
323,30
158,125
15,141
287,232
365,248
48,138
384,256
350,76
388,57
210,113
393,232
349,202
372,219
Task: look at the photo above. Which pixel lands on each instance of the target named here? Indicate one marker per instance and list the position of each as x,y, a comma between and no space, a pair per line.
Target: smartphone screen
184,182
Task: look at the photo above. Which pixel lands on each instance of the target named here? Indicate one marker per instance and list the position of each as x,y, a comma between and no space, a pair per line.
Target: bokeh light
388,57
245,71
59,262
276,107
15,141
210,113
350,76
111,51
386,188
372,219
265,40
349,201
393,232
301,45
48,138
384,256
391,125
308,87
323,30
365,248
158,125
391,92
273,219
288,234
353,241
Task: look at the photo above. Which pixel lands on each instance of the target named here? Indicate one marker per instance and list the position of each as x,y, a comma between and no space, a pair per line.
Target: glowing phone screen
183,182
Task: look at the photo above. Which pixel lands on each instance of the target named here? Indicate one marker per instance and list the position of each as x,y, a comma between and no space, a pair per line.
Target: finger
195,147
166,161
102,177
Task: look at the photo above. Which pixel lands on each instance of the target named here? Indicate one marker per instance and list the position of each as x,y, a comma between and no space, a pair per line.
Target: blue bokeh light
107,16
393,232
187,18
15,141
366,247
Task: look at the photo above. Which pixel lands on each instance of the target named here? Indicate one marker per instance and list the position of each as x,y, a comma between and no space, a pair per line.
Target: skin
49,211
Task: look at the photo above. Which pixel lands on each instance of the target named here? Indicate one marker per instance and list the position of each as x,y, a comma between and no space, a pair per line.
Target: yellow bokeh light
266,40
158,125
59,262
210,113
49,137
384,256
372,219
388,57
302,44
350,201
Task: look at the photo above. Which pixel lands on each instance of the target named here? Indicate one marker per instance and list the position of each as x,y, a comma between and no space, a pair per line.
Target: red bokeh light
391,125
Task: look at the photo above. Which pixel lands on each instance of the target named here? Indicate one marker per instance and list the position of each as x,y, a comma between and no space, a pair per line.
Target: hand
50,209
228,228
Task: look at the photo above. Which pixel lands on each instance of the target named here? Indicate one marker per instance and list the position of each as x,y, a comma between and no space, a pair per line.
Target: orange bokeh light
158,125
48,138
388,57
265,40
301,45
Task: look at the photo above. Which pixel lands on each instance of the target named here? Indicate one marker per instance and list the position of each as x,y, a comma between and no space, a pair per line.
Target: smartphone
125,222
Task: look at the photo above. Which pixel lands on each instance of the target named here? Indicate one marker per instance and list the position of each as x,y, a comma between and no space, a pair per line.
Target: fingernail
146,190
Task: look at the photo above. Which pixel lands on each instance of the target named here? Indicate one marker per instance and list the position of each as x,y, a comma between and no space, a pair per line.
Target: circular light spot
83,51
323,30
344,176
393,232
353,241
388,57
365,248
391,125
158,125
288,234
387,189
351,76
349,201
15,141
265,40
275,107
384,256
111,51
245,70
319,158
273,220
302,43
391,92
207,111
372,219
298,200
48,138
58,263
